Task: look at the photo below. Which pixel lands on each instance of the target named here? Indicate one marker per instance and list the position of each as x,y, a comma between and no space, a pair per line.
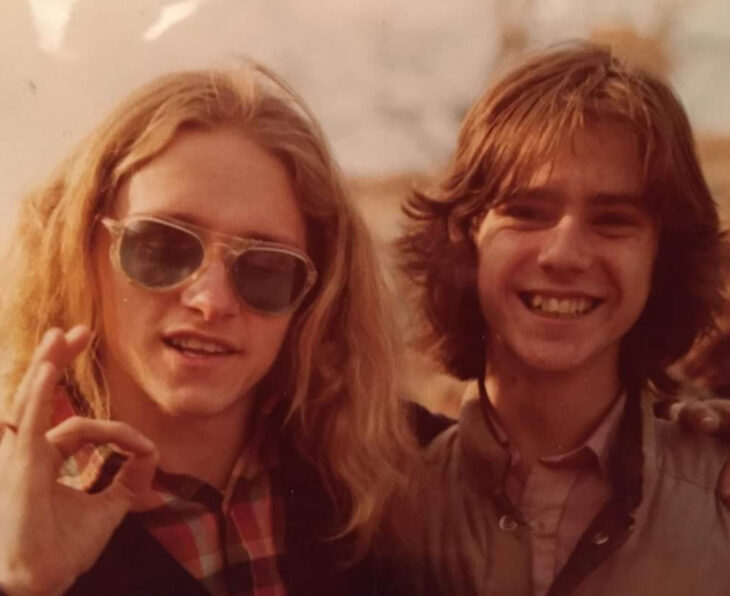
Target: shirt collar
92,467
484,443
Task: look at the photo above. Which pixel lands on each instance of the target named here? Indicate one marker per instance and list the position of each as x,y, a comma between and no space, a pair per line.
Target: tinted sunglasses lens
269,280
157,255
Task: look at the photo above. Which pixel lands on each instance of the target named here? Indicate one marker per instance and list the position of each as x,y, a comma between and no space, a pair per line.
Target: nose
210,293
566,247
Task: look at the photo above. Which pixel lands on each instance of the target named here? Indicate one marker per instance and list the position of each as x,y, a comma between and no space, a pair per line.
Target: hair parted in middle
335,370
516,127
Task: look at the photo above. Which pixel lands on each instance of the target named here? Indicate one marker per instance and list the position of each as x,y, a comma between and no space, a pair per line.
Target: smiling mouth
192,346
561,308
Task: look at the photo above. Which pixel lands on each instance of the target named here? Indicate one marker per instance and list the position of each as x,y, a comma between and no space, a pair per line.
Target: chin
194,404
561,358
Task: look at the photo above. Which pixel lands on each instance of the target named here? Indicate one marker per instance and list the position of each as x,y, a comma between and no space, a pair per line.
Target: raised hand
51,533
710,416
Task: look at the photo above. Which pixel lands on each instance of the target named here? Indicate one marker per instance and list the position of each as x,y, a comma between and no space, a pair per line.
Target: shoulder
681,514
691,457
425,424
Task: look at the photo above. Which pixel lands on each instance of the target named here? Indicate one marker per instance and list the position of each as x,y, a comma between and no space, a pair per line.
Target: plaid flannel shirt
231,542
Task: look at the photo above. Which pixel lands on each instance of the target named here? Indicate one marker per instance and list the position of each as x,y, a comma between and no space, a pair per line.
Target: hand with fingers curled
710,416
51,533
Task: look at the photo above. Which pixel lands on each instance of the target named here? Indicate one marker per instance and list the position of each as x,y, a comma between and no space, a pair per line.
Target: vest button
600,538
507,523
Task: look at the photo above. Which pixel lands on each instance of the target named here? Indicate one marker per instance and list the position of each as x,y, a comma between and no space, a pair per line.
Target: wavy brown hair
336,366
516,127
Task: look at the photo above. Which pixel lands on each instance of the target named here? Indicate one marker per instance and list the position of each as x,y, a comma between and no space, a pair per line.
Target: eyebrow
619,198
602,198
266,237
535,192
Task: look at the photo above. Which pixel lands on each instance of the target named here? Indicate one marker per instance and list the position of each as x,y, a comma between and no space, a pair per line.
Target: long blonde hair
336,367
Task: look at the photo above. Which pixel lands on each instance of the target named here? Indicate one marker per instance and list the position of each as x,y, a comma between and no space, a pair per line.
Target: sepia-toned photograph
365,297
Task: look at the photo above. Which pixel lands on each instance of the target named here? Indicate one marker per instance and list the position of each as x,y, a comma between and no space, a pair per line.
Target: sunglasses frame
234,247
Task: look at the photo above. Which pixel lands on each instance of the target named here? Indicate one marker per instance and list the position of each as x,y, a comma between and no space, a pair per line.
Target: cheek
127,313
492,287
637,270
122,330
500,260
642,283
267,335
640,261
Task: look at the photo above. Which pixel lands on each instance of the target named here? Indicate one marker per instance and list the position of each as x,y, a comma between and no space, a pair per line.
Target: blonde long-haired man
194,287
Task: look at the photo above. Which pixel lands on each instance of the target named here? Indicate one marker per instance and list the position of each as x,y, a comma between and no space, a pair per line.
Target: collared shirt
560,495
664,530
230,541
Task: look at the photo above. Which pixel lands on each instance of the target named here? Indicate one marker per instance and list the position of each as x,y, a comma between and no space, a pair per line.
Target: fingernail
50,335
76,331
146,443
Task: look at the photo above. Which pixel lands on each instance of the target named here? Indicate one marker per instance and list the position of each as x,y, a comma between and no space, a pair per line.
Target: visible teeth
197,345
562,307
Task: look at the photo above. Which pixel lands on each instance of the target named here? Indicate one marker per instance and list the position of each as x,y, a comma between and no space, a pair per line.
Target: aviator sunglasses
161,253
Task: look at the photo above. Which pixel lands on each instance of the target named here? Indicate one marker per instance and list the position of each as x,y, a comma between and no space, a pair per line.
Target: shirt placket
543,500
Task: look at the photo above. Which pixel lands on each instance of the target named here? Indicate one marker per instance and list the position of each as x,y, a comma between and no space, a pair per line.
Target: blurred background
389,79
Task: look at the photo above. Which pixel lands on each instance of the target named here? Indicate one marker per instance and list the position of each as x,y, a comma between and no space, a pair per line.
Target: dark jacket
135,563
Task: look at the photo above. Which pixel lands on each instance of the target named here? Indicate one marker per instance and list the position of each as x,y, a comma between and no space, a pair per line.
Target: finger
49,338
667,409
64,348
7,429
133,482
56,351
73,433
720,409
36,418
77,338
8,433
61,348
698,416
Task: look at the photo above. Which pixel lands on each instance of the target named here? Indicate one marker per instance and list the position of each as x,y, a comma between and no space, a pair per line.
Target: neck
550,412
204,447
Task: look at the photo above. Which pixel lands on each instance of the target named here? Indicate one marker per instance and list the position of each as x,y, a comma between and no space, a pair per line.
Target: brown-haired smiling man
572,252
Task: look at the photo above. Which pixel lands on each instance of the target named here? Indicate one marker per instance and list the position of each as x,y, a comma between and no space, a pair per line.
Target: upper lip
204,337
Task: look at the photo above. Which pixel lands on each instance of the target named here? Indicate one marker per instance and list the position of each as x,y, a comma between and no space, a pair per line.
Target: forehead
598,159
219,180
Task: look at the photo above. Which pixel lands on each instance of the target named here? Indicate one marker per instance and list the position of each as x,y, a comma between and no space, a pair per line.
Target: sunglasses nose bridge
217,249
210,288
